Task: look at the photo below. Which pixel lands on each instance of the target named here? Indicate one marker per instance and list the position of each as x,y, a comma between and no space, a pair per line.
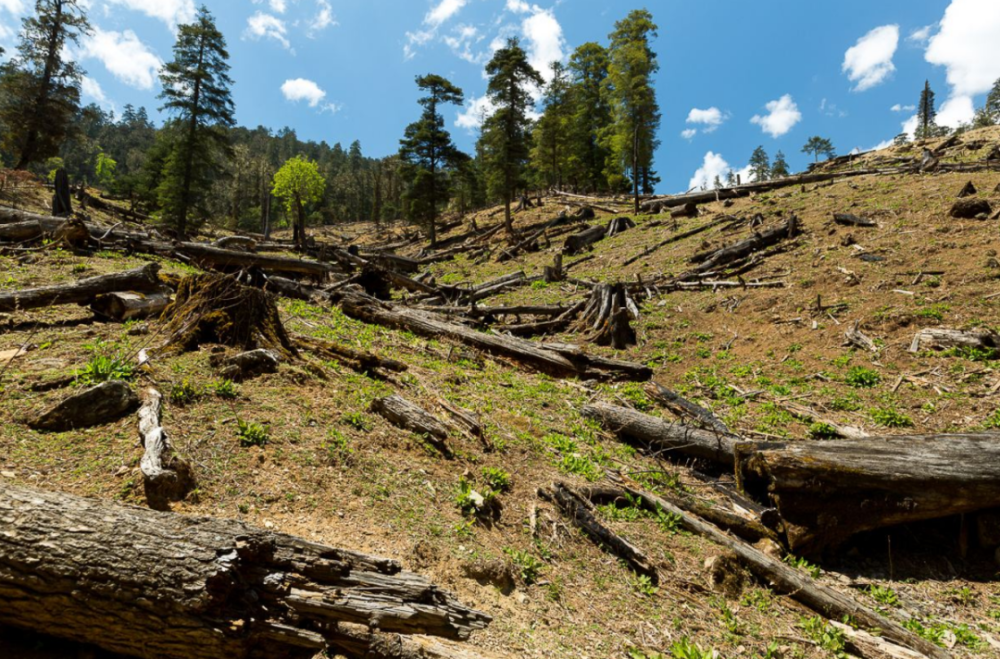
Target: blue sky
734,74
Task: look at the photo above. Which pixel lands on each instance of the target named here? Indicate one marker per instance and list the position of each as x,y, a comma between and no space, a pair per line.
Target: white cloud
910,126
171,12
869,62
921,35
300,89
278,6
518,6
713,166
476,110
903,108
92,89
782,116
13,6
710,118
443,11
689,133
125,56
545,40
461,41
955,111
324,18
967,45
262,25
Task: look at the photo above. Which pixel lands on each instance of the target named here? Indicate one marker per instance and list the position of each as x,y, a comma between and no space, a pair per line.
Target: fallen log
83,291
403,414
855,337
971,208
581,511
828,491
228,260
944,339
542,357
744,248
684,408
678,237
847,219
123,306
796,583
177,587
166,477
358,360
661,436
578,242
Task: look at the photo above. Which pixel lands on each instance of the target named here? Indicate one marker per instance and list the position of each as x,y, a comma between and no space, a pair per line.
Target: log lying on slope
404,414
165,475
83,291
177,587
944,339
560,361
744,248
828,491
662,436
129,305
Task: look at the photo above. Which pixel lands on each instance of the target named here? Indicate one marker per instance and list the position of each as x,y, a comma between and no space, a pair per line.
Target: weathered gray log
241,243
855,337
581,511
943,339
796,583
107,402
578,242
539,356
684,408
662,436
744,248
228,259
678,237
847,219
83,291
403,414
688,209
157,585
828,491
166,476
129,305
608,316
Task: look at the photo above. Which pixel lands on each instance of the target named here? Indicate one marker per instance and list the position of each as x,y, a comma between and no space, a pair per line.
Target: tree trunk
828,491
404,414
578,242
163,586
128,305
722,257
83,291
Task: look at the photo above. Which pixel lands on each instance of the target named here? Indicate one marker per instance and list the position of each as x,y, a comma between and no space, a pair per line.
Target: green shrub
184,393
860,377
107,362
890,418
822,431
528,567
251,434
472,502
883,595
224,388
497,479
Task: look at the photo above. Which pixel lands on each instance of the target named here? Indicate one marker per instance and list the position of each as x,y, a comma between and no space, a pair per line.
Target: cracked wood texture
82,291
165,586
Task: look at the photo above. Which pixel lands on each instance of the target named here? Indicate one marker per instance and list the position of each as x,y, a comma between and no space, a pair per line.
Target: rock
966,209
107,402
967,191
247,365
139,330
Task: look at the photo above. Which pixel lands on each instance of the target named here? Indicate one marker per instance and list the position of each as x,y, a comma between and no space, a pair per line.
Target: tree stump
62,198
608,316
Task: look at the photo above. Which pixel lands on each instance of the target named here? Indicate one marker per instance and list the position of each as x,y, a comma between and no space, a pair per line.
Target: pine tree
989,114
819,146
196,90
298,183
632,65
779,169
717,183
926,114
760,165
551,151
39,89
591,116
505,132
427,151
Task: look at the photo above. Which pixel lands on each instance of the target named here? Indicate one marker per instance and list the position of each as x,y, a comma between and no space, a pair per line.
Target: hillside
760,343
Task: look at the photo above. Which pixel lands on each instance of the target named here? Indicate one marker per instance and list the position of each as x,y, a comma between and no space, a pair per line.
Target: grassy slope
334,472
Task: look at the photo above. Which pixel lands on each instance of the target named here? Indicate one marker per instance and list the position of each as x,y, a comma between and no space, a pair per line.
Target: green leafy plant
860,377
890,417
251,434
338,449
802,564
356,420
883,595
686,649
668,522
644,585
472,502
826,636
822,431
184,393
225,388
581,466
528,567
497,479
108,361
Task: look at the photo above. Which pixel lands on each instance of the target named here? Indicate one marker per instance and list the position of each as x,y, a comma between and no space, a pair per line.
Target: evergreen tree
760,165
427,151
717,182
730,179
632,65
298,183
779,169
819,146
591,116
926,113
505,132
551,151
989,114
196,90
40,89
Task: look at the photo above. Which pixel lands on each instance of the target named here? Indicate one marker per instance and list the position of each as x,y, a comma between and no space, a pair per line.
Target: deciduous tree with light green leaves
298,183
632,65
105,167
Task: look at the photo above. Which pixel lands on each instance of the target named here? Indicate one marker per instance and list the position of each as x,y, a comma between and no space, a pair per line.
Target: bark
684,408
547,358
123,306
848,219
662,436
828,491
727,255
162,586
402,413
83,291
166,476
578,242
943,339
608,316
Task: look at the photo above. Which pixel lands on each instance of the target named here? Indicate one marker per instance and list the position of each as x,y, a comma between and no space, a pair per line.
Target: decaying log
727,255
686,210
662,436
686,409
154,584
855,337
971,208
358,360
83,291
241,243
98,405
796,583
847,219
810,415
608,316
554,273
229,260
581,511
527,243
296,290
557,324
942,339
680,236
123,306
578,242
166,476
619,225
828,491
404,414
565,362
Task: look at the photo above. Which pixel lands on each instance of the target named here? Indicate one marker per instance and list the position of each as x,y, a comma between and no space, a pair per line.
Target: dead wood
679,237
404,414
166,476
202,588
608,316
728,255
855,337
934,338
971,208
686,210
581,511
357,360
578,242
828,491
62,199
619,225
96,406
123,306
847,219
968,190
662,437
686,409
246,365
240,243
83,291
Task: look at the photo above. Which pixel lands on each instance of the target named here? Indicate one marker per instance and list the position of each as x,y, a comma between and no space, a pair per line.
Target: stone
967,209
107,402
247,365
